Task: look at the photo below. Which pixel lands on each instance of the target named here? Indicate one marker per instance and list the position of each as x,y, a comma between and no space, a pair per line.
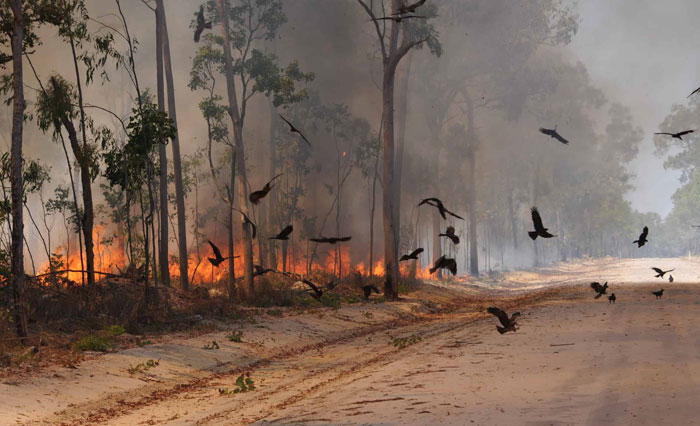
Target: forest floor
432,358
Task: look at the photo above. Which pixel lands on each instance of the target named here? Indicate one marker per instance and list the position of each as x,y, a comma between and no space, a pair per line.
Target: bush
94,343
115,330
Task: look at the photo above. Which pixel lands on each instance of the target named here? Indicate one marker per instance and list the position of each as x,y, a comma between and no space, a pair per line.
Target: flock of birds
509,323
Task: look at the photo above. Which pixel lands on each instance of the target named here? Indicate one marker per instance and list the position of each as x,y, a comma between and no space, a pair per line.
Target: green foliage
402,342
92,342
211,346
115,330
330,300
144,366
235,336
243,384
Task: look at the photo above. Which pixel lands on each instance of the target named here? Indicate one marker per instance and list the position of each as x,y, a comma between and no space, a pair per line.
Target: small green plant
141,343
115,330
331,300
243,384
277,312
402,342
133,369
94,343
236,336
211,346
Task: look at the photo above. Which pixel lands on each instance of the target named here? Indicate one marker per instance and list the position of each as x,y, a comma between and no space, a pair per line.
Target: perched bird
330,240
368,289
256,196
540,230
247,220
441,207
284,234
295,130
399,18
554,134
600,289
410,8
612,298
660,273
678,135
670,278
218,258
450,233
201,24
509,324
642,237
444,263
658,294
412,256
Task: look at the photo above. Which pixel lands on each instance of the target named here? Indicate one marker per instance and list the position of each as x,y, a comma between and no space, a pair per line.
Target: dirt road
575,360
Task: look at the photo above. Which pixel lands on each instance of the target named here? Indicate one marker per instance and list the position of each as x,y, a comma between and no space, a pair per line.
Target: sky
642,54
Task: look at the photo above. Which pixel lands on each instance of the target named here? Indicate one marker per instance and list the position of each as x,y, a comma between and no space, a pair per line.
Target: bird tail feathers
533,235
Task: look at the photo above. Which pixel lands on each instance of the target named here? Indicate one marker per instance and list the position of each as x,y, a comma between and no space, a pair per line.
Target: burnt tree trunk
177,165
16,179
162,155
471,189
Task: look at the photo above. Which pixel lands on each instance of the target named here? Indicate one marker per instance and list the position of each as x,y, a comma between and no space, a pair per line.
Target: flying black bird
218,258
410,8
678,135
444,263
509,324
694,92
612,298
368,289
399,18
658,294
256,196
441,207
600,289
670,278
554,134
413,255
540,230
329,240
201,24
284,234
259,270
318,291
642,237
660,273
247,220
295,130
450,233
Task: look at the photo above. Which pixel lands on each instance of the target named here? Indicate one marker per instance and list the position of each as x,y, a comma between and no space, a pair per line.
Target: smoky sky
643,53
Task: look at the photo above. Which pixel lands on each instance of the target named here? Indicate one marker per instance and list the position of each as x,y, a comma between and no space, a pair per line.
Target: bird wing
416,252
664,133
536,220
291,126
312,286
670,270
217,252
453,214
658,270
596,286
548,132
685,132
560,138
428,201
320,240
200,17
272,180
198,33
344,238
694,92
501,315
404,258
286,231
645,232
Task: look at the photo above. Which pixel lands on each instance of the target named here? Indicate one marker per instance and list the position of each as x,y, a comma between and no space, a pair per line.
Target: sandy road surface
575,360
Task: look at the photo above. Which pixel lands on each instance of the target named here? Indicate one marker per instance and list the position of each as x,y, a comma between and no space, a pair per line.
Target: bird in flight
450,233
658,294
540,230
509,324
330,240
247,220
670,278
444,263
399,18
410,8
218,258
284,234
678,135
368,289
600,289
259,270
413,255
660,273
201,24
694,92
256,196
317,290
554,134
642,237
295,130
612,298
438,205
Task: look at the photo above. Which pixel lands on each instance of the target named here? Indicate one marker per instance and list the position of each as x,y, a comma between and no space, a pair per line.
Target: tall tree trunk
471,189
86,180
231,239
162,154
391,267
177,166
16,182
402,111
513,221
234,113
272,247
